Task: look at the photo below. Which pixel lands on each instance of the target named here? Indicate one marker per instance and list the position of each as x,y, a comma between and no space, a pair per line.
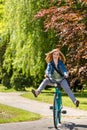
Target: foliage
3,45
19,81
25,50
6,80
69,21
25,41
2,24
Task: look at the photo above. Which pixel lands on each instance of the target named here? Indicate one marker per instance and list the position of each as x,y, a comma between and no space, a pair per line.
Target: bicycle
57,105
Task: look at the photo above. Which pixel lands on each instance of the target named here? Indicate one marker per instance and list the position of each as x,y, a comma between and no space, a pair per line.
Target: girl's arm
48,70
63,69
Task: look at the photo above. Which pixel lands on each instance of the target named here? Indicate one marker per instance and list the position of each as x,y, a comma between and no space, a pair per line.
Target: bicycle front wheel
56,112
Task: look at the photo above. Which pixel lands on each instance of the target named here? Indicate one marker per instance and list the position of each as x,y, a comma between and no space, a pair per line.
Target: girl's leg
65,86
44,83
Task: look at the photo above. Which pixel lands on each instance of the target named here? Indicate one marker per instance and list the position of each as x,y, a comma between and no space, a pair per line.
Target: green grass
11,114
47,96
4,89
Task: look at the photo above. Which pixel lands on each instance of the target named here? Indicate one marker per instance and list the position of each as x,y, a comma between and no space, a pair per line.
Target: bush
20,81
36,81
6,80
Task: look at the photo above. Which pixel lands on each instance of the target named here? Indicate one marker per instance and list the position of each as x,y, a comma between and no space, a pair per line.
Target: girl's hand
46,76
66,75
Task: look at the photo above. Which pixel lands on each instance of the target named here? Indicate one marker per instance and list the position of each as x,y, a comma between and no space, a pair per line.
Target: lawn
11,114
47,96
5,89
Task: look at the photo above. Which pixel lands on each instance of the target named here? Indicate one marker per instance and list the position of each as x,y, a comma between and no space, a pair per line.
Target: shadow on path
70,126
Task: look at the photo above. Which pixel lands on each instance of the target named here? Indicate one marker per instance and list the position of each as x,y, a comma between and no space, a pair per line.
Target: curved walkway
75,119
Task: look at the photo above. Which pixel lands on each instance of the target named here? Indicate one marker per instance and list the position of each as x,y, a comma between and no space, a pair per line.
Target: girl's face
55,55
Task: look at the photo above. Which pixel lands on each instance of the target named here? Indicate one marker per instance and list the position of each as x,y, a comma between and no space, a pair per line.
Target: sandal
77,103
35,93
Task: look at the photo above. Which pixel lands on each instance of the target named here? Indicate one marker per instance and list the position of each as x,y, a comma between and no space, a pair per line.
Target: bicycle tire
56,112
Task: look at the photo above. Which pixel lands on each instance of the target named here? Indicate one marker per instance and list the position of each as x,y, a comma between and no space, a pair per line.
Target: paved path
75,119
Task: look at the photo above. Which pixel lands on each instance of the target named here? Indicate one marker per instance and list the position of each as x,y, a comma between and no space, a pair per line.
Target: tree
26,48
69,21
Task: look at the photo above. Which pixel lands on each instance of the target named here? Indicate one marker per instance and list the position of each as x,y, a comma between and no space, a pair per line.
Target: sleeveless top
56,76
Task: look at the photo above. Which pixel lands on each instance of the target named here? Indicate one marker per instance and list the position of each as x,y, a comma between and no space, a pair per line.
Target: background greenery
24,42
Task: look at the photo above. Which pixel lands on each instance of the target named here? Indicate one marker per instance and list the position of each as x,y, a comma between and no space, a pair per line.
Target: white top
56,76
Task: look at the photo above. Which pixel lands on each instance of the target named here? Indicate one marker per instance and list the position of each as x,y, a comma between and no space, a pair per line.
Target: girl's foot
77,103
35,93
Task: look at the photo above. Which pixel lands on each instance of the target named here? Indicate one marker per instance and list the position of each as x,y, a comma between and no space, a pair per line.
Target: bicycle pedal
64,112
51,107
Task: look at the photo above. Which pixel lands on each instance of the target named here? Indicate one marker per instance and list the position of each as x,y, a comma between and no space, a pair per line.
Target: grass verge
47,96
4,89
10,114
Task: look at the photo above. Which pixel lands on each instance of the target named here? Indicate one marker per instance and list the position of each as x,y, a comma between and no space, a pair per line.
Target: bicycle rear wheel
56,112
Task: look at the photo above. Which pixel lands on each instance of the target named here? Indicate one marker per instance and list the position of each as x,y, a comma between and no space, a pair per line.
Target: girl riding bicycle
55,71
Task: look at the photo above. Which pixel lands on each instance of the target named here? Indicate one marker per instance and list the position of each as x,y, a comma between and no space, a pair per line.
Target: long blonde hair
49,55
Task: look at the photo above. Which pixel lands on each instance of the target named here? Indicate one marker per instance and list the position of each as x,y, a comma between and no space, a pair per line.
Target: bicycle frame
57,107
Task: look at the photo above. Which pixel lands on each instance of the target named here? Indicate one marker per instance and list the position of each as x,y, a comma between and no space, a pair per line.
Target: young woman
56,70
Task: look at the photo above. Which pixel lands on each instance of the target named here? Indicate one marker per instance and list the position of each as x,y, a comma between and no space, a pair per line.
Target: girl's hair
49,55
